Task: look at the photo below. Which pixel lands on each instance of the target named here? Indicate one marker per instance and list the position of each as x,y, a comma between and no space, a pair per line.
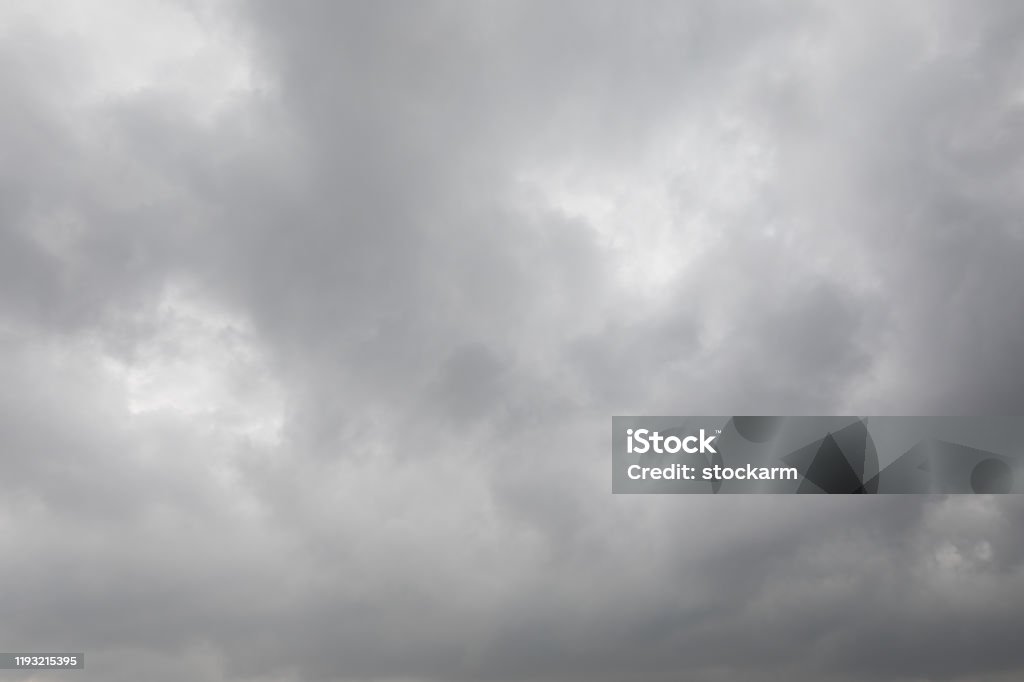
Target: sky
314,315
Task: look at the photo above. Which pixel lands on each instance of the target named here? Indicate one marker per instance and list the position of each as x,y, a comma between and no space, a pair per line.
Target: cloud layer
313,317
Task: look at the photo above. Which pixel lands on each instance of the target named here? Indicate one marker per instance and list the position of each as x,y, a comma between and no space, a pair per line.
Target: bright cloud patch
202,363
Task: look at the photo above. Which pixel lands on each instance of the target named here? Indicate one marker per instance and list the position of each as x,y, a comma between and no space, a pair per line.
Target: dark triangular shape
852,441
828,469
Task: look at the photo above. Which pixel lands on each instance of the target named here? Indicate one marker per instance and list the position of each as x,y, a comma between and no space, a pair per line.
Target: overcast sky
313,317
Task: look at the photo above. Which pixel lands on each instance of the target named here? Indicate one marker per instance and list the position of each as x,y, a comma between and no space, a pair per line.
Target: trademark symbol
718,431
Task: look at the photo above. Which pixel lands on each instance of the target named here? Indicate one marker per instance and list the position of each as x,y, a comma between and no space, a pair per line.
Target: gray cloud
313,318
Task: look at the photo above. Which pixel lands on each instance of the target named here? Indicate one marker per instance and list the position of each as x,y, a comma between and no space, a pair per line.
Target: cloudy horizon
314,316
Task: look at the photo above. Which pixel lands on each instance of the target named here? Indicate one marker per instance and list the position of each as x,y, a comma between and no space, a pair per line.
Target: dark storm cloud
317,387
